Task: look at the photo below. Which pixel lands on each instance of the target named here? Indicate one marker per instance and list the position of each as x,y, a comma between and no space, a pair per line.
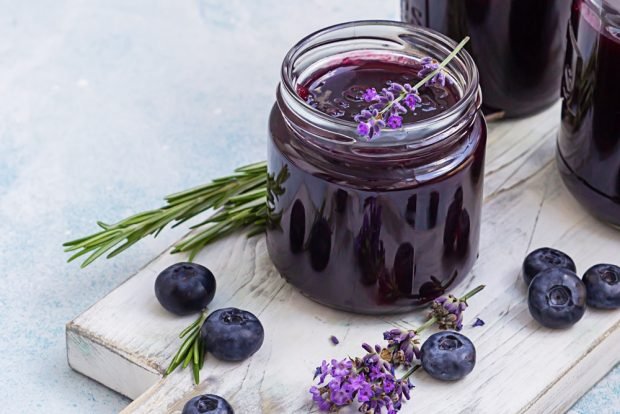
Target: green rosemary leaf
186,346
195,352
189,357
191,327
196,373
99,252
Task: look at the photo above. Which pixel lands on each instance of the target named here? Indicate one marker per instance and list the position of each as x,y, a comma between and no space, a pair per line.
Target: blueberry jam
381,225
589,140
518,46
338,91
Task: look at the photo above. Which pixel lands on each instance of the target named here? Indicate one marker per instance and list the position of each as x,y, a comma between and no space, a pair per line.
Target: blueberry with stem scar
232,334
448,356
603,286
557,298
207,404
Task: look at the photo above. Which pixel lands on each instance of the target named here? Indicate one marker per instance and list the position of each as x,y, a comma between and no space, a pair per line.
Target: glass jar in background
589,140
382,225
518,46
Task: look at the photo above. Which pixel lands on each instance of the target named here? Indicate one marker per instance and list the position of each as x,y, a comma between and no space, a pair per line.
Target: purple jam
373,235
589,140
338,91
518,46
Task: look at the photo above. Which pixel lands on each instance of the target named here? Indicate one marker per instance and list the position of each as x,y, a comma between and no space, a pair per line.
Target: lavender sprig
371,380
387,109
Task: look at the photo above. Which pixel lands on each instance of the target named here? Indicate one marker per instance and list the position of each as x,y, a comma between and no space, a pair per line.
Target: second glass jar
518,46
377,226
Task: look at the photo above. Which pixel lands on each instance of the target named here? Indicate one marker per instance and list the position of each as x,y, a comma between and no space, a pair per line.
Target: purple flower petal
478,322
395,121
370,95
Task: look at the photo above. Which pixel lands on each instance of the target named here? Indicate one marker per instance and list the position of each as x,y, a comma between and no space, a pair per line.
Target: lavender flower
403,347
370,95
448,311
430,65
395,121
389,102
369,380
369,123
334,340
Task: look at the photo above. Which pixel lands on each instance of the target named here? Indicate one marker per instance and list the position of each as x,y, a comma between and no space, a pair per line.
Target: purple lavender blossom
334,340
368,380
395,121
430,65
403,347
448,310
370,95
387,104
369,123
412,100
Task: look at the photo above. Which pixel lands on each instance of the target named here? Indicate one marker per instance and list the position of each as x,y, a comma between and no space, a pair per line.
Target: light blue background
106,106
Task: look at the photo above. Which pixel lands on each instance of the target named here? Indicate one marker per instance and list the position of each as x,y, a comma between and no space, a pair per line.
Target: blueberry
603,286
185,288
207,404
448,356
232,334
545,258
557,298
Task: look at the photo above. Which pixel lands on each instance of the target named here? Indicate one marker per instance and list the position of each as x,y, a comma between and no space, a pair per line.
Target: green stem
428,77
472,293
410,372
426,325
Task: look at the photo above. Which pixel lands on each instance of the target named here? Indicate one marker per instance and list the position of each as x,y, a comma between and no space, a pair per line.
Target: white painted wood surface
126,340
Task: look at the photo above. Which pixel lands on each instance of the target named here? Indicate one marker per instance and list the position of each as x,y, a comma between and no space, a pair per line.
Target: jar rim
406,33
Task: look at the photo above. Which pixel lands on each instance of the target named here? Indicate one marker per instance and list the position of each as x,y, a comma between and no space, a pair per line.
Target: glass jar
589,141
377,226
518,46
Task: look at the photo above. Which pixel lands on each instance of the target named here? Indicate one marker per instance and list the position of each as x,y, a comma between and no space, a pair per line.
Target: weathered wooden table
126,340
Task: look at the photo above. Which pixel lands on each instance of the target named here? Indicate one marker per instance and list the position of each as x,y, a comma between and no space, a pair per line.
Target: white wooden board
126,340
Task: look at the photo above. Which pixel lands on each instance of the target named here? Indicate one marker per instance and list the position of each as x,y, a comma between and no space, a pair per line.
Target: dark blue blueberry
185,288
232,334
207,404
542,259
603,286
557,298
448,356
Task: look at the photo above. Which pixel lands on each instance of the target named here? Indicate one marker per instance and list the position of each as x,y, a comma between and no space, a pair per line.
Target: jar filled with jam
589,140
378,224
518,46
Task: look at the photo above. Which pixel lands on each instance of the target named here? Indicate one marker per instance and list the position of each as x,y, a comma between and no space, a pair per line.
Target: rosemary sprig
191,350
240,201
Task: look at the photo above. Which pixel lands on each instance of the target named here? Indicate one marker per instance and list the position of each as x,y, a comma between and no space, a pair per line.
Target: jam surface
374,238
589,140
518,46
339,91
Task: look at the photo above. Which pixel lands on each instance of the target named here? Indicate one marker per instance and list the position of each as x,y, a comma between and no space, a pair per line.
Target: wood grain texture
522,367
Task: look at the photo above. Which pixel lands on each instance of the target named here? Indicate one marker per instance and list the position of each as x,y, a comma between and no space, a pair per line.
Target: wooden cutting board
126,340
